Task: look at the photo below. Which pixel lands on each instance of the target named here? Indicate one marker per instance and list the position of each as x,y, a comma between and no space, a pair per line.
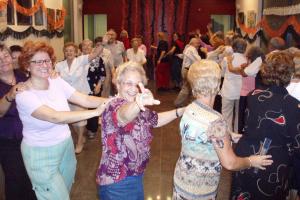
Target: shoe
91,135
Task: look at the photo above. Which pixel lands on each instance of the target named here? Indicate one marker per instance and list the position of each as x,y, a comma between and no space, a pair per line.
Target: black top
10,124
96,72
162,46
271,113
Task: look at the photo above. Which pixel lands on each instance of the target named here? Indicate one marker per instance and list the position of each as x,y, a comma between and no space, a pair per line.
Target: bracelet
250,161
7,99
176,111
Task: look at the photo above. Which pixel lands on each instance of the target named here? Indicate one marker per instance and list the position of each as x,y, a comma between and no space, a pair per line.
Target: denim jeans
130,188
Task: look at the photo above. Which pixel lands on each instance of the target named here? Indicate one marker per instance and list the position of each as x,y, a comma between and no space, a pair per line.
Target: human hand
209,26
102,106
18,88
145,98
235,137
97,89
260,161
220,49
54,74
244,65
229,59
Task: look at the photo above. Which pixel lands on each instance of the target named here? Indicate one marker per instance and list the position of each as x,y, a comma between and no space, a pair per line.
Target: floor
165,149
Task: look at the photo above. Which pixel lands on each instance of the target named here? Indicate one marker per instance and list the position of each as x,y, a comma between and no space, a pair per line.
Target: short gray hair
129,67
204,77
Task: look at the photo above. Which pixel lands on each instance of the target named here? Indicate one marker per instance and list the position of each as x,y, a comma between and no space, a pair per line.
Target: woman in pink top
255,57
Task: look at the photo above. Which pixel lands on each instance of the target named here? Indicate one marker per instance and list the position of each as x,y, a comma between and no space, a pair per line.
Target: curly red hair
30,48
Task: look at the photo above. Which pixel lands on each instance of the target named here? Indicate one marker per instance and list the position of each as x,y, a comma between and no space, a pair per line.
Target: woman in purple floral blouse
127,134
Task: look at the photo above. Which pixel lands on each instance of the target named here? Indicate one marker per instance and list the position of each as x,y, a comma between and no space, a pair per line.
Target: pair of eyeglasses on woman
40,62
130,84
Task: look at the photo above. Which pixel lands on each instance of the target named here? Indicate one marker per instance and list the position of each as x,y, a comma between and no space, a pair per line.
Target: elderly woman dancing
126,135
47,146
205,140
272,115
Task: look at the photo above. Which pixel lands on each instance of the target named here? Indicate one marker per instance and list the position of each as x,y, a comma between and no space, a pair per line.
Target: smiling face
70,52
128,85
5,61
40,65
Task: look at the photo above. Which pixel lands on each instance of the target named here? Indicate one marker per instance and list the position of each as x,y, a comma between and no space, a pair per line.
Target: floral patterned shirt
125,148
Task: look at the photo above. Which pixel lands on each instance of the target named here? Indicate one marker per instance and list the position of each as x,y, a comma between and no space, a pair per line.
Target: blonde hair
129,67
161,36
204,77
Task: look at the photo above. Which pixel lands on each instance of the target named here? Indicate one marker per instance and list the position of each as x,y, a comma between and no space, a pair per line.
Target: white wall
78,26
250,5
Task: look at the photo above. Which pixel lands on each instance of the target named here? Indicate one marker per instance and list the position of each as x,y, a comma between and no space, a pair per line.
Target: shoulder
20,75
61,64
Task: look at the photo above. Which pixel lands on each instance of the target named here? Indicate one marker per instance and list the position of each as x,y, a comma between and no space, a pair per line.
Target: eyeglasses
130,84
40,62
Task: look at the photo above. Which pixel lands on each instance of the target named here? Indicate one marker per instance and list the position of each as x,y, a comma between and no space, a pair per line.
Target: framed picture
251,19
241,17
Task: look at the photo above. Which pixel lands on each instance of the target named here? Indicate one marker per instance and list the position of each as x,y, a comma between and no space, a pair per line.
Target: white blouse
76,75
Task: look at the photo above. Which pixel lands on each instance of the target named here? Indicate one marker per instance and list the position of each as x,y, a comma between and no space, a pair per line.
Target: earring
27,73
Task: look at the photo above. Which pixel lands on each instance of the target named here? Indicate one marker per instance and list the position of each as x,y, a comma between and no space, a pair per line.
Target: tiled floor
165,149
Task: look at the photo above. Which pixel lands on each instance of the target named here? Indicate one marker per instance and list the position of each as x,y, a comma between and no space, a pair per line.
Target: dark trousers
92,124
17,183
242,108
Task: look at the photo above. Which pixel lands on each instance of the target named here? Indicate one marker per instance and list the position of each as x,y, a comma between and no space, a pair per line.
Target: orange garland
291,21
55,24
27,11
3,4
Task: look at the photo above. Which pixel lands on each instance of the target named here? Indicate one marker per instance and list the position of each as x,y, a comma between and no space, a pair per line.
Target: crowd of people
241,94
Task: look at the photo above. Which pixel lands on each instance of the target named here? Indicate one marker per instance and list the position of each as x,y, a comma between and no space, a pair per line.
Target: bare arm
46,113
96,52
232,162
236,70
168,116
171,52
162,54
86,101
130,110
8,98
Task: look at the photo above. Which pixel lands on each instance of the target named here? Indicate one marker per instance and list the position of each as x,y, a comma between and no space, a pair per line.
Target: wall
200,12
57,43
253,5
110,7
199,17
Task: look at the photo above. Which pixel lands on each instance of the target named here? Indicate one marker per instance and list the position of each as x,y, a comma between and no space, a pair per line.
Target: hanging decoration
31,30
55,23
27,11
3,4
263,24
283,11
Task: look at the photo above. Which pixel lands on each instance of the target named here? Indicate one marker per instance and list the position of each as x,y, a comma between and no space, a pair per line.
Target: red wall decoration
147,17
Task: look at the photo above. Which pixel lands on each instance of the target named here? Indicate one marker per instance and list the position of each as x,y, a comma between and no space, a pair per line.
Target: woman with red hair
47,146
